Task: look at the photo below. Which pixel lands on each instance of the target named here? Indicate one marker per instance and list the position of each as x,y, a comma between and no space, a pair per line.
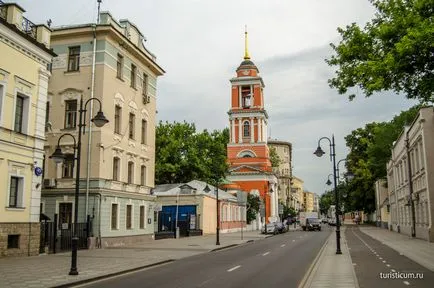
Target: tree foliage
253,203
325,201
182,154
394,51
274,157
370,150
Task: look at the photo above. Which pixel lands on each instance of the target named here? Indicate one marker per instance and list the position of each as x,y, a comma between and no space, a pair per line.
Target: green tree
394,51
182,154
325,201
253,202
274,158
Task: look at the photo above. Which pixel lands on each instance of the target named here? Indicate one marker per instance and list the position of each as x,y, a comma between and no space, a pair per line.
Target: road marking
388,265
354,264
380,258
283,245
293,240
393,270
384,261
234,268
406,282
266,253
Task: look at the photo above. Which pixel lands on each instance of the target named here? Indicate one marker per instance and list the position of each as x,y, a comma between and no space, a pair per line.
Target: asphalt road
371,257
279,261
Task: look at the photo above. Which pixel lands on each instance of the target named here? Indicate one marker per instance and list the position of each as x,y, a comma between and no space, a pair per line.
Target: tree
182,154
274,158
325,201
253,203
394,51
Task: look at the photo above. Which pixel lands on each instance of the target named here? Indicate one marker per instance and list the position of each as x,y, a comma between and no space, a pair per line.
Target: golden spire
246,49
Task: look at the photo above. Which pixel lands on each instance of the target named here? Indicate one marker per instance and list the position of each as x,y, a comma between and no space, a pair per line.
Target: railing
3,10
29,27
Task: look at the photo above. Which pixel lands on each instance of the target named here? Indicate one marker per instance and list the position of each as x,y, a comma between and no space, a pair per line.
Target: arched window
246,154
246,129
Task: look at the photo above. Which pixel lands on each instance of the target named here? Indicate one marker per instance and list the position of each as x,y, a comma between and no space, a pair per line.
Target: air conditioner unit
49,183
146,99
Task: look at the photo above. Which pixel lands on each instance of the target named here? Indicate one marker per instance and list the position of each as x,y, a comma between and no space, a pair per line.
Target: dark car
313,224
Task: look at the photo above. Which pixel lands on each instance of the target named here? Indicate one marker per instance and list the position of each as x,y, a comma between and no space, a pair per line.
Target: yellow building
24,59
284,171
297,193
308,201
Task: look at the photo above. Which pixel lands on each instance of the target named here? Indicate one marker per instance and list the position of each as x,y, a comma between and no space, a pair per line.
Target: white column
240,130
233,130
252,130
259,129
265,131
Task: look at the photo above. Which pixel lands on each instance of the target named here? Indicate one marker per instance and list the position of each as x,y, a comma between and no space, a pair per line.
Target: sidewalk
52,270
331,270
420,251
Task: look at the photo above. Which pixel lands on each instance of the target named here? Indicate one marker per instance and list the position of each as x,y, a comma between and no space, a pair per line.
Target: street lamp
328,183
99,120
319,152
217,240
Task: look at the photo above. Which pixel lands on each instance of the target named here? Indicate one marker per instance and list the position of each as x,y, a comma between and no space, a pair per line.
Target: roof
195,185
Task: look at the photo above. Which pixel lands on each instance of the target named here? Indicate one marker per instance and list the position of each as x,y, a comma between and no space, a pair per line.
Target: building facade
107,61
247,150
297,197
24,73
382,204
198,198
284,170
308,201
410,178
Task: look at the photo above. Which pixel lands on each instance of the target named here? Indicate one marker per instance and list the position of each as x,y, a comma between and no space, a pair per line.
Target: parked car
271,229
324,220
332,222
280,227
313,224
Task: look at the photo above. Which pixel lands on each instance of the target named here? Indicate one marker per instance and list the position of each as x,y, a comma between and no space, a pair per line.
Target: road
371,257
279,261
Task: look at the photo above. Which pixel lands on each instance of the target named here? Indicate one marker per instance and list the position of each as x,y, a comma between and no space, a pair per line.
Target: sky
200,43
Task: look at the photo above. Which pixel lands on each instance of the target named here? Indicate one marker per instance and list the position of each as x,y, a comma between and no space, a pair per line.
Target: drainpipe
410,186
89,135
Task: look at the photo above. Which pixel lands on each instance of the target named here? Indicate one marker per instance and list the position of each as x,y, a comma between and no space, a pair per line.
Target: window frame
145,84
74,57
144,130
120,66
69,113
130,218
143,175
142,216
70,161
130,172
17,191
116,223
133,76
246,124
116,168
131,126
20,118
117,119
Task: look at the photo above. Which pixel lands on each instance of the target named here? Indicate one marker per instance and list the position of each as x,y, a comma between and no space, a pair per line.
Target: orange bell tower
247,150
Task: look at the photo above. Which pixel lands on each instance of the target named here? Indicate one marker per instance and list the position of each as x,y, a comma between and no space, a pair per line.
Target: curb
314,266
224,247
84,281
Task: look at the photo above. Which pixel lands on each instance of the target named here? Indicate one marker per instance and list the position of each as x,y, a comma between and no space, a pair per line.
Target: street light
319,152
217,240
328,183
99,120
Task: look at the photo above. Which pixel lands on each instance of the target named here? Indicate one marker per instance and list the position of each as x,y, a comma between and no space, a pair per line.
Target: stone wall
29,237
126,241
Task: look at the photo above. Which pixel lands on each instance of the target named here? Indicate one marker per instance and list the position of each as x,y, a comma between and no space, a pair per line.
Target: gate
66,237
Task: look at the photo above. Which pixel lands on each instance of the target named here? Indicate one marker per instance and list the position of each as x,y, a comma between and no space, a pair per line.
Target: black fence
55,238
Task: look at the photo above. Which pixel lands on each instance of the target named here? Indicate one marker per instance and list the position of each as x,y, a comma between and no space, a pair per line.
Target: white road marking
388,265
384,261
234,268
393,270
380,258
293,240
283,245
266,253
406,282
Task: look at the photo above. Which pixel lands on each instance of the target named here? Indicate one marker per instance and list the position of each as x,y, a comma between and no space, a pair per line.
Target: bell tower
247,150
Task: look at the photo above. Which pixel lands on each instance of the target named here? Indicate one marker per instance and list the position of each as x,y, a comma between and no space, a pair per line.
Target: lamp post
319,152
99,120
217,240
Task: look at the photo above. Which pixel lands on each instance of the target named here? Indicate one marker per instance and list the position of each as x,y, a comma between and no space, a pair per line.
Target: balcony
11,11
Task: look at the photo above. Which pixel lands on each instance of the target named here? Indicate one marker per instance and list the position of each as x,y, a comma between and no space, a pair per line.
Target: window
19,114
13,241
145,84
116,166
47,116
120,66
144,129
129,219
143,175
14,191
130,172
246,129
118,113
1,101
74,58
68,166
65,215
114,218
246,96
131,122
70,113
133,75
142,217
